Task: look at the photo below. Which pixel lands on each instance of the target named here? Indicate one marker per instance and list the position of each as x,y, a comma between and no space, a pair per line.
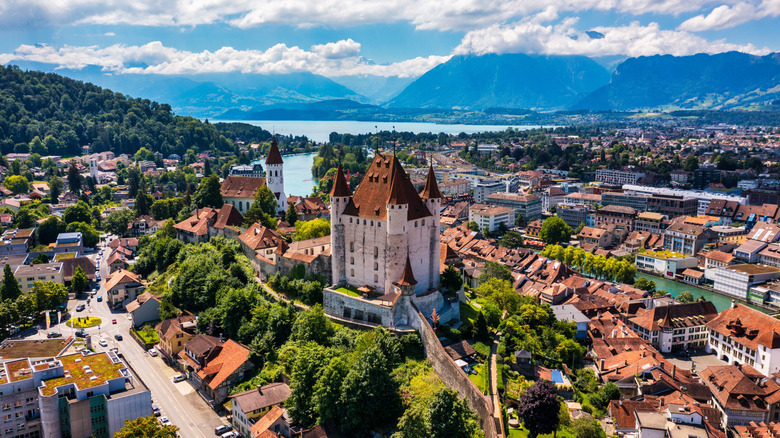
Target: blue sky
362,37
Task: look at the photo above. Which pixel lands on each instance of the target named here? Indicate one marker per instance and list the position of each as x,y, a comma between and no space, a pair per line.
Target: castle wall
354,308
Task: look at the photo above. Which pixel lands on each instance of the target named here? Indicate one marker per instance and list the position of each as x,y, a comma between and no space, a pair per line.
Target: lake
319,131
297,174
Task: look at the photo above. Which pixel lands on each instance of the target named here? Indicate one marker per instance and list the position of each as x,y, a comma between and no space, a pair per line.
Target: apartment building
491,217
687,239
665,263
638,202
483,189
741,394
16,241
649,221
737,280
616,214
716,259
741,335
673,206
675,327
529,206
26,275
618,177
574,215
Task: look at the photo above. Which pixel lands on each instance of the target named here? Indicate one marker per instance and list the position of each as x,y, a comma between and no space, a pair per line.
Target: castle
385,246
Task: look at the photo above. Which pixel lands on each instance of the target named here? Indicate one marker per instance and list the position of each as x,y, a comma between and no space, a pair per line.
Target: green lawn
83,322
468,313
148,335
480,379
349,290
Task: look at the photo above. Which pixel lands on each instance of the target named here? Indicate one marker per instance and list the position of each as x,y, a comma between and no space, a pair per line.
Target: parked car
165,421
103,343
118,337
153,352
232,434
54,335
179,378
80,333
219,430
156,410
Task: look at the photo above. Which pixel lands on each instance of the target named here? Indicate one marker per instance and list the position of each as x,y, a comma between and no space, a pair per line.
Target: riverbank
721,302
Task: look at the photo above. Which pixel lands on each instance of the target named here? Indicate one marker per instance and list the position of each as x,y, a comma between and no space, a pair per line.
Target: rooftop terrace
84,371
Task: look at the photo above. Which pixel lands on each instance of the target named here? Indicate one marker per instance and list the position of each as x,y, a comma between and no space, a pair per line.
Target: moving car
118,337
180,377
80,333
113,321
54,335
103,343
100,299
80,307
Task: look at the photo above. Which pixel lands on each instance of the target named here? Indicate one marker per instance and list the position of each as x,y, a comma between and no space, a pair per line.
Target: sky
403,38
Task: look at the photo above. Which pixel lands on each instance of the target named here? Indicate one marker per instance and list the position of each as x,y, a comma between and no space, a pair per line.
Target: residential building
591,199
144,309
225,367
730,235
714,260
749,251
274,423
309,207
551,197
26,275
69,242
673,206
86,395
741,394
239,191
598,237
16,241
490,217
704,176
254,170
145,225
757,429
675,327
574,215
455,187
568,312
680,176
737,280
770,255
741,335
618,177
483,189
665,263
615,214
195,229
687,239
173,334
649,221
196,352
529,206
122,287
704,198
259,240
249,406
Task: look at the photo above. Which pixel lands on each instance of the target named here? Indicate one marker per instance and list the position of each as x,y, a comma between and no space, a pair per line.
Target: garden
84,322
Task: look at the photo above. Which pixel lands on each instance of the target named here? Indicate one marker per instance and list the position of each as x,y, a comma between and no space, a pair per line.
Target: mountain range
465,83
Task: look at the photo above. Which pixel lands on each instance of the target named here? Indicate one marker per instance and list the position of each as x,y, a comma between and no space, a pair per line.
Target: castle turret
274,167
431,196
339,198
407,282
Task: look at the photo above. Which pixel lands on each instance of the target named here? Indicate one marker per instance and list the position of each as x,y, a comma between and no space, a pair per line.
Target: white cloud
333,59
423,14
725,16
109,34
531,36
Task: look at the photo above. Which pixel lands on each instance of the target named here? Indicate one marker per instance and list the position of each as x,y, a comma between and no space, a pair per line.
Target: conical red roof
398,189
274,157
407,278
340,186
431,190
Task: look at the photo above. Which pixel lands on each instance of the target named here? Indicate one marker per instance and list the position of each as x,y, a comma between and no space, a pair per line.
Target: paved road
177,401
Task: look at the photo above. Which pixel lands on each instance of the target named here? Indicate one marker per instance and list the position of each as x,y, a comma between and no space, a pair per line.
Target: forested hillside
66,114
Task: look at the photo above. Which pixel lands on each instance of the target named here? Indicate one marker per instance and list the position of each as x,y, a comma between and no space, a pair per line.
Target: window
351,272
376,266
351,260
376,252
351,244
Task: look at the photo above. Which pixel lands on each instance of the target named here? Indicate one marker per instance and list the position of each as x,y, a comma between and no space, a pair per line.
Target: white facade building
742,335
737,280
274,175
491,217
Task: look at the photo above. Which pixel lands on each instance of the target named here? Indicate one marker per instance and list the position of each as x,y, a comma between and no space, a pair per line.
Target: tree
536,405
306,370
40,259
48,294
511,240
501,292
473,226
117,221
449,416
587,428
691,163
481,331
312,326
451,279
208,193
146,427
685,297
495,270
554,231
74,178
79,212
311,229
369,394
327,391
89,234
266,200
50,229
79,282
520,220
10,289
143,203
17,184
645,284
579,228
292,215
55,189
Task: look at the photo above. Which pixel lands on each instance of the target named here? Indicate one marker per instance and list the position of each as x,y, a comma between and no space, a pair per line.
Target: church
385,246
239,191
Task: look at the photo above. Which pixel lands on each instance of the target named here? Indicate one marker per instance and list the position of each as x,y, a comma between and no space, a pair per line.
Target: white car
179,378
153,352
103,343
165,421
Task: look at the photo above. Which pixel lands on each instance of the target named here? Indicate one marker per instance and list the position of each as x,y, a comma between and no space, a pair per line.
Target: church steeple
274,156
431,189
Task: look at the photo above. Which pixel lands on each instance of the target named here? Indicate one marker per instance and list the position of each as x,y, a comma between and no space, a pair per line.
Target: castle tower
339,198
93,170
397,245
431,196
274,176
407,282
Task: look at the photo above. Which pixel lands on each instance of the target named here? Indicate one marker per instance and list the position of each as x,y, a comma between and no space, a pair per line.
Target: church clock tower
274,175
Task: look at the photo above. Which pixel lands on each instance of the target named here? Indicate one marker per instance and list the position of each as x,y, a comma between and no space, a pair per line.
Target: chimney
733,304
674,370
601,365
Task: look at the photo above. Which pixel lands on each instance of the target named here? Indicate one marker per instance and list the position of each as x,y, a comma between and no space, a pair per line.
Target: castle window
351,260
350,220
415,224
351,272
364,221
352,246
423,222
372,223
376,267
376,252
376,278
240,205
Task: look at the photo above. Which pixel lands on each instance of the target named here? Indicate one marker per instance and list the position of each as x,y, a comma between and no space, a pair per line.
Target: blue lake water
319,131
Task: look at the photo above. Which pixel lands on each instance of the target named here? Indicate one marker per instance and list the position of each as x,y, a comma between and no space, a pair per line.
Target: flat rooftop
664,254
32,348
752,269
80,370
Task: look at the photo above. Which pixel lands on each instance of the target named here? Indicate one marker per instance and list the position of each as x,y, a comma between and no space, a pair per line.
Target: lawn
349,290
148,335
468,313
480,379
84,322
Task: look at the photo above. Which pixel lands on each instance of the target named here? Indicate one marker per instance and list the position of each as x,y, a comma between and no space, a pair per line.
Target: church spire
274,157
340,186
431,190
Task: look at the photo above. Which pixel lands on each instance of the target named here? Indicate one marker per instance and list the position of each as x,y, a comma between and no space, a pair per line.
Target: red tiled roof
120,277
340,186
431,189
259,236
676,316
228,215
748,327
736,387
264,424
232,356
407,278
198,223
241,186
274,157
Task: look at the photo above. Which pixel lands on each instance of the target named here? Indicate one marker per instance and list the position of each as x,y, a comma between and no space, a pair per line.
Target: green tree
49,229
369,394
146,427
306,370
311,229
481,331
579,228
74,178
644,284
10,289
291,216
501,292
79,212
143,203
327,391
23,218
117,221
451,280
208,193
535,407
17,184
55,189
554,231
48,295
511,240
587,428
79,282
495,270
312,326
89,234
685,297
473,226
40,259
266,200
691,163
450,417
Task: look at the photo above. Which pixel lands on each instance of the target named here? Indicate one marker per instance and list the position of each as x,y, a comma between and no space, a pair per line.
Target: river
319,131
721,302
